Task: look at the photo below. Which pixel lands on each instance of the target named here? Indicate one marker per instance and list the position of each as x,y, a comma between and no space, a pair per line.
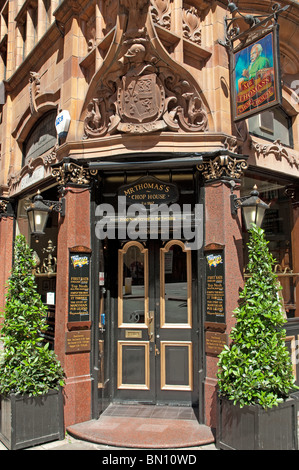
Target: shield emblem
141,98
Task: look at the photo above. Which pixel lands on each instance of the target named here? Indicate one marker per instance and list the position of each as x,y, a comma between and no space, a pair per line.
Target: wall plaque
215,286
215,342
79,286
77,341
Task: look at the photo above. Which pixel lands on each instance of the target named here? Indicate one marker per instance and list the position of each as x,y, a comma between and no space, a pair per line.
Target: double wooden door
156,339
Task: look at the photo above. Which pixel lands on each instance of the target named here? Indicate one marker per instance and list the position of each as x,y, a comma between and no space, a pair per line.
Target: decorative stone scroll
223,167
277,149
72,173
140,92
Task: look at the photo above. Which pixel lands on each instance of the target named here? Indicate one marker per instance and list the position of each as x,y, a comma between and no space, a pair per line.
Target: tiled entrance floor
142,426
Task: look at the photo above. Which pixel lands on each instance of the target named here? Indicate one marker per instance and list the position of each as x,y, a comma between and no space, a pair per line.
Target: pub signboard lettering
79,287
149,190
215,291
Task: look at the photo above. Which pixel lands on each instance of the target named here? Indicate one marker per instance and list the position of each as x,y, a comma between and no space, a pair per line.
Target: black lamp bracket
232,30
235,202
56,206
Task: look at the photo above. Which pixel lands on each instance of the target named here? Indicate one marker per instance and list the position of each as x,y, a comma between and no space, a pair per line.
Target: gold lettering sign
149,190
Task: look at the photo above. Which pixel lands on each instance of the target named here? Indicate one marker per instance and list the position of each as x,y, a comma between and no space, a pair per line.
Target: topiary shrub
256,368
28,366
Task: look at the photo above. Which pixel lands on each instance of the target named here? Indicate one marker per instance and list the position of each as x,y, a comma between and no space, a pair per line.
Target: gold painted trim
164,250
121,253
122,386
292,340
164,385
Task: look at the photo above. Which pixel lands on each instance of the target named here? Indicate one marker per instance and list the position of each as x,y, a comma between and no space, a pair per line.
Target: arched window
41,138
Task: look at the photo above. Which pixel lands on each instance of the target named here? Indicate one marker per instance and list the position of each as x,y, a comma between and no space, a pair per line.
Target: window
272,125
280,232
42,137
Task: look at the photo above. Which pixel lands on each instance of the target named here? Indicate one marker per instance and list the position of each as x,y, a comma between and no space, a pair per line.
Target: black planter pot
254,428
27,421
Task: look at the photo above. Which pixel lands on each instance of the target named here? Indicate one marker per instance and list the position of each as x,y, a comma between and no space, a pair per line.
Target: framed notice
79,286
215,286
255,75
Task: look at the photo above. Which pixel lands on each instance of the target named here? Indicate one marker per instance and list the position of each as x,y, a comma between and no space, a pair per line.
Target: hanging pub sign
255,74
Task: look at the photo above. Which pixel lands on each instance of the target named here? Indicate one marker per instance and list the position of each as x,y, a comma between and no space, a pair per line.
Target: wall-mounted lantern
38,212
252,206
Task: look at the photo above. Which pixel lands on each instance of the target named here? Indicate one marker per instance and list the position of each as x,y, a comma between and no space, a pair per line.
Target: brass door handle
151,326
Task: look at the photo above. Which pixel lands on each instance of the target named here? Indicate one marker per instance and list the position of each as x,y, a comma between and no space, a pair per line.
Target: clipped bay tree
256,368
27,365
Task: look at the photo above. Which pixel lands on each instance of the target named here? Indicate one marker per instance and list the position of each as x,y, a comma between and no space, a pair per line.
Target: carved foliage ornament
73,173
161,13
141,93
3,206
223,166
191,25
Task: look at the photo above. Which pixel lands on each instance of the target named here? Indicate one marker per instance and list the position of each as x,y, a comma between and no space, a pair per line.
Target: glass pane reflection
133,286
176,285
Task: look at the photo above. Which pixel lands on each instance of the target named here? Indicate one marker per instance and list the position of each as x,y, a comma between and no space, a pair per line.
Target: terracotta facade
143,81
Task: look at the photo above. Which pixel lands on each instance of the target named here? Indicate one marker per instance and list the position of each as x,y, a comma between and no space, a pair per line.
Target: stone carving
34,90
191,25
73,173
3,207
223,166
91,32
140,92
161,13
277,149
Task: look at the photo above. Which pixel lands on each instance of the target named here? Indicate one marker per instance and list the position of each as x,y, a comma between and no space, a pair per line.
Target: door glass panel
133,284
175,284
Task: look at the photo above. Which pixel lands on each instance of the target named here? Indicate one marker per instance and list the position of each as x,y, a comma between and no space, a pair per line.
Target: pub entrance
155,343
149,340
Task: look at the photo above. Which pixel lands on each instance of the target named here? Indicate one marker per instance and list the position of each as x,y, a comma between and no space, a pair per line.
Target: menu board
79,280
215,291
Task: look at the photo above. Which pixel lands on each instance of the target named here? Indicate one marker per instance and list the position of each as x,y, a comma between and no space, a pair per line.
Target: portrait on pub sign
255,77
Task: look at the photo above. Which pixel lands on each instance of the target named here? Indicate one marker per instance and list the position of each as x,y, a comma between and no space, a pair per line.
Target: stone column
74,231
41,19
30,33
224,231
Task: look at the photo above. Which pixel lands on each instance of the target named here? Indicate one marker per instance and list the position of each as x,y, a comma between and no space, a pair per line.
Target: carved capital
71,173
223,167
3,206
